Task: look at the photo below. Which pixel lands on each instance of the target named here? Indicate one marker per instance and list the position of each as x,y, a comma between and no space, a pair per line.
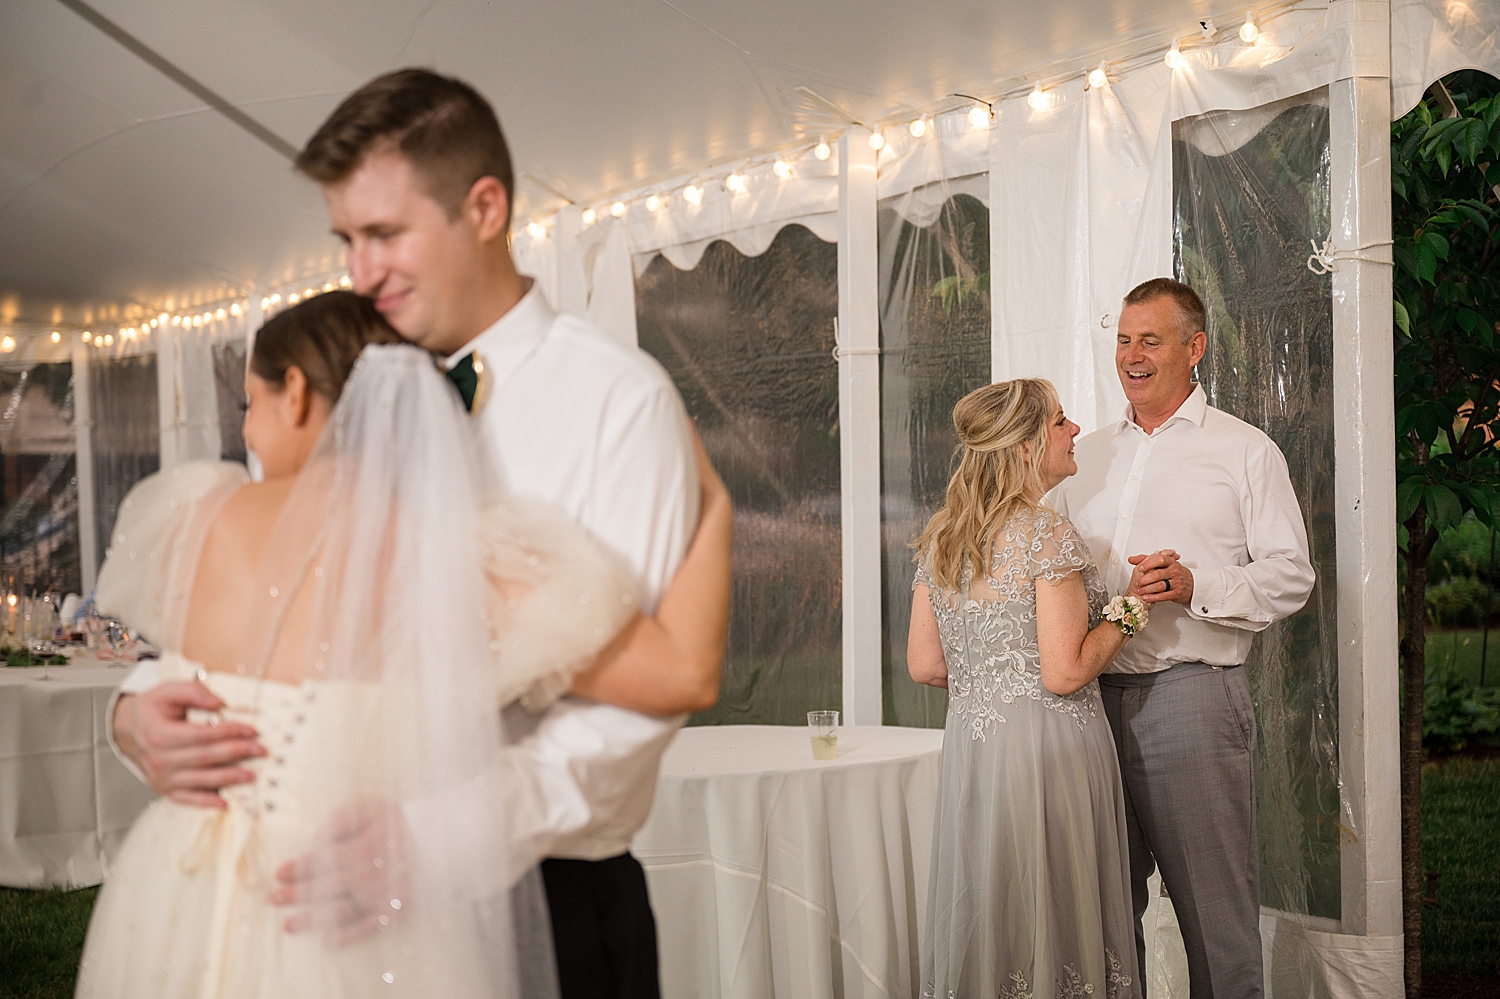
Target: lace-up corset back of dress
989,628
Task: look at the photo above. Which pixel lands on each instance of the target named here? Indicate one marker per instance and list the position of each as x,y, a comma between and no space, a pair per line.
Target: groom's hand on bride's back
354,880
183,760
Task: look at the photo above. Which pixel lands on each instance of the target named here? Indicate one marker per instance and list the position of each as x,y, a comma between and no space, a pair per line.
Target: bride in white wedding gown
367,608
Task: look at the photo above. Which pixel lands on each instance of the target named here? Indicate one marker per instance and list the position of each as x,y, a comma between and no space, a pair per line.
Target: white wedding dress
184,913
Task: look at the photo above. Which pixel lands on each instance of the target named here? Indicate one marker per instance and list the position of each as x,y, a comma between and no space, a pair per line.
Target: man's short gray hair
1191,316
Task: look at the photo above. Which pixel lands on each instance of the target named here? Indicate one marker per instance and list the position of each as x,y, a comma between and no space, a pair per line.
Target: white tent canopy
144,170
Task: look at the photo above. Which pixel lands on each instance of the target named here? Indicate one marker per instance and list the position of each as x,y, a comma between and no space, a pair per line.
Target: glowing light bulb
234,309
220,314
8,343
176,320
344,282
152,324
265,303
653,203
1098,77
56,337
1175,59
11,600
979,116
590,216
109,339
782,169
122,331
617,209
535,230
327,286
1037,98
291,299
87,336
735,182
98,341
693,194
821,150
276,298
307,293
918,128
877,141
1249,31
161,318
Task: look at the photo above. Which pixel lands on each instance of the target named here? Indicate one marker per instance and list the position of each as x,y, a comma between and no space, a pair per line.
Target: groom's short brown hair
444,128
1191,316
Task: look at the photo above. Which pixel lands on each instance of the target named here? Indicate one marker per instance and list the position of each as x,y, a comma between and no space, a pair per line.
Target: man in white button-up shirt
1194,510
591,425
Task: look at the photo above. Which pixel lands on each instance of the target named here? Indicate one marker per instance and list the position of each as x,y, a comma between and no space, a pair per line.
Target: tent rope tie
1325,258
839,350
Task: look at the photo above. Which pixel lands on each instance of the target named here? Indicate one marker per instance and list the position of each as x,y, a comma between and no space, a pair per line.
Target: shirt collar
1193,410
510,339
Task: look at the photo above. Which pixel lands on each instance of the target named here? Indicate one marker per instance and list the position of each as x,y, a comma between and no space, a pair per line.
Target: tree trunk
1414,666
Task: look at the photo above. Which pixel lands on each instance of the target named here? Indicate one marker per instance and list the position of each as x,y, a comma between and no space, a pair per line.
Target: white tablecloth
772,874
65,801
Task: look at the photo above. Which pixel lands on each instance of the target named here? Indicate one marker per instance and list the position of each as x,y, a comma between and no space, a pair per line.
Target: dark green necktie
465,379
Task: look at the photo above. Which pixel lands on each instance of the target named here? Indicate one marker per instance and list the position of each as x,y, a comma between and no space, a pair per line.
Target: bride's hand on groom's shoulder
353,882
1160,576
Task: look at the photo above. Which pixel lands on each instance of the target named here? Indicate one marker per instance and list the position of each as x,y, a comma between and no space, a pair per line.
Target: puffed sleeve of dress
556,597
155,543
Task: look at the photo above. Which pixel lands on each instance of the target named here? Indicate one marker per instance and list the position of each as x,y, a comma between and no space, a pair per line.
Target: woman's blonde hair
1003,430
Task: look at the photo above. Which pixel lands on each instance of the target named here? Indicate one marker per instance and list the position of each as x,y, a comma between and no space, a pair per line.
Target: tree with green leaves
1445,221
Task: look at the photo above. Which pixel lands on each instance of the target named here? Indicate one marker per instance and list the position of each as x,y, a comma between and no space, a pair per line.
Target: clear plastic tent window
1251,190
934,349
126,433
749,343
229,397
39,478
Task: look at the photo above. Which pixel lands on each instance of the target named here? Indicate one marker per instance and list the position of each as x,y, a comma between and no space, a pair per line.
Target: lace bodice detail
988,627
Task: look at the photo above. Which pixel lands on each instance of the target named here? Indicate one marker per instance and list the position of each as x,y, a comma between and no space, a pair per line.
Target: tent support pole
1365,482
83,466
859,428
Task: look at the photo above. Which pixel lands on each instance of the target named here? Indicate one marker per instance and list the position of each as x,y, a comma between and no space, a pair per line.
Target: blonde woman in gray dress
1029,893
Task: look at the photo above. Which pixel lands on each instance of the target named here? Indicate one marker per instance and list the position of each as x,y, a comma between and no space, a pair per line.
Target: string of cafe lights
214,313
979,113
276,301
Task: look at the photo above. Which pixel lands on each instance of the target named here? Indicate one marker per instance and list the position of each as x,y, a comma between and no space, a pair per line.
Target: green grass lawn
41,939
41,932
1461,841
1461,648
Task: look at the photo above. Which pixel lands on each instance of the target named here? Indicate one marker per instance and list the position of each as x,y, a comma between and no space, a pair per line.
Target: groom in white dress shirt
1201,505
418,182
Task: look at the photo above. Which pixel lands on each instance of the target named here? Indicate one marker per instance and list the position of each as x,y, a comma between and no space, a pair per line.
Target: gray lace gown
1030,887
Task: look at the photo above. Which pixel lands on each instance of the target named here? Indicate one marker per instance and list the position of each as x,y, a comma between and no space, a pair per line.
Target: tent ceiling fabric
118,185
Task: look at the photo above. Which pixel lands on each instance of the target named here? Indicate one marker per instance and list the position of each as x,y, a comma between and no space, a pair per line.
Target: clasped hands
352,881
1159,577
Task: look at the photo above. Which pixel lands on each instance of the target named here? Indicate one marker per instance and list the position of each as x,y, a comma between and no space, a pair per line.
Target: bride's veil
375,584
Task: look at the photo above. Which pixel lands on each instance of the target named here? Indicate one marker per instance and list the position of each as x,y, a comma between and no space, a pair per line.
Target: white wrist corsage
1128,614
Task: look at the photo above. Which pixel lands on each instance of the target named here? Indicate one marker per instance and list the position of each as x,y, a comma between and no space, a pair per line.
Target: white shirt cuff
139,680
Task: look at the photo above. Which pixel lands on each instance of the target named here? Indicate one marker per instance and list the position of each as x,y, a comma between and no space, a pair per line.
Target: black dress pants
602,928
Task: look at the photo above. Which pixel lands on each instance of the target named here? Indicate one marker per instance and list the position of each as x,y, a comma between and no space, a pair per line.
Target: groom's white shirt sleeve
139,680
596,428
